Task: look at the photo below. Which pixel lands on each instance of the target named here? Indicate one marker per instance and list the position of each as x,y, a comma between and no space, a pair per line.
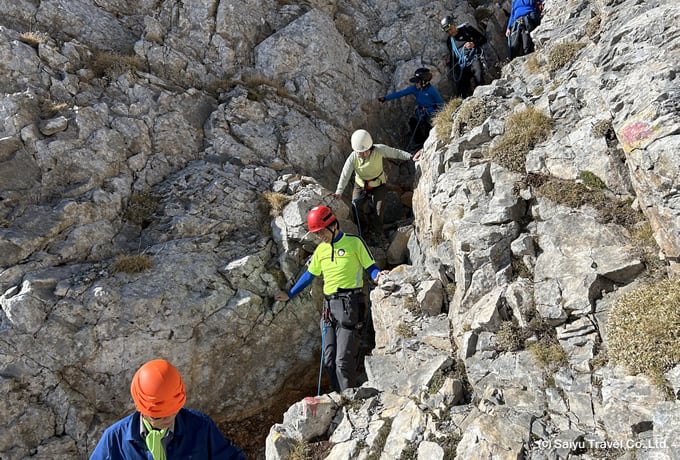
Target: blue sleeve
221,447
100,452
304,281
402,93
520,8
373,271
110,446
513,13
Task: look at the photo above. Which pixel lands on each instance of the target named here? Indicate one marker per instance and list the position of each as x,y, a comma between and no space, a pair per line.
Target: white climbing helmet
361,140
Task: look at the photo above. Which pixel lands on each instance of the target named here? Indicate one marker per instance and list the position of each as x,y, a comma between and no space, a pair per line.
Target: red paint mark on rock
311,402
636,132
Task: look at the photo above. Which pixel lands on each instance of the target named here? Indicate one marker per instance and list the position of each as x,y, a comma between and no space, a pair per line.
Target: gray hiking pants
341,337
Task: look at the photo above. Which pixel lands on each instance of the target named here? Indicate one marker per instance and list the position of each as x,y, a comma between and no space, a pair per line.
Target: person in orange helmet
341,259
162,428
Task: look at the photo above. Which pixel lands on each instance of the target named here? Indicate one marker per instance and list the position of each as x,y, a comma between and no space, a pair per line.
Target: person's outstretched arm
375,273
397,94
391,152
304,281
347,171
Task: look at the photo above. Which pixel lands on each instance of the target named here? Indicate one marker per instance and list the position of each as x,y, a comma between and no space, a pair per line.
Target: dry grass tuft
532,64
471,114
112,65
523,131
509,337
642,237
551,356
593,26
51,107
563,54
411,304
591,180
140,208
619,212
258,86
567,193
450,290
299,451
449,444
255,82
602,128
520,269
443,120
404,331
437,381
132,264
644,327
276,202
34,38
591,191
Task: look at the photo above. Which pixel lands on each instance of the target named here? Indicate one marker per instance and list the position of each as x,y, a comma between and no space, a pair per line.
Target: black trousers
470,77
340,329
420,129
367,221
520,42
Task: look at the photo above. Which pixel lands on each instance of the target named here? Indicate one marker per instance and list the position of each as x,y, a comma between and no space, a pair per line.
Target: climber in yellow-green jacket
366,162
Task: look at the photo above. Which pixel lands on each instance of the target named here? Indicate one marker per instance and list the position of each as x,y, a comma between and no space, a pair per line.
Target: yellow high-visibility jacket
369,171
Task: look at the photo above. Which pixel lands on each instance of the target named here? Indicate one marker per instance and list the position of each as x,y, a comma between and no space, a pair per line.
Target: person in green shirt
342,259
366,162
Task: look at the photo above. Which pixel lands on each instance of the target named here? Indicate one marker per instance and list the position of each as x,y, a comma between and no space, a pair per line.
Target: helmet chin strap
333,233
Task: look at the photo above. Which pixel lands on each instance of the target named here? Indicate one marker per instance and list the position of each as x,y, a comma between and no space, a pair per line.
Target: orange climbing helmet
319,218
157,389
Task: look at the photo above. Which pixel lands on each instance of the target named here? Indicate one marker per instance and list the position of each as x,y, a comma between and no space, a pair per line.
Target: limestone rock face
192,138
508,256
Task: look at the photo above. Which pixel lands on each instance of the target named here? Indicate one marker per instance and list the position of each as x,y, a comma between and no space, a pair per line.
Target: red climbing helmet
319,218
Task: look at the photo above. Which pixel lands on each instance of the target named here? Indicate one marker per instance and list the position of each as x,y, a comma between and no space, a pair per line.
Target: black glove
381,99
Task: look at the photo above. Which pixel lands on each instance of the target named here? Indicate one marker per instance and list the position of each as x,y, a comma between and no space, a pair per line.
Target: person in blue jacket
161,428
428,102
525,16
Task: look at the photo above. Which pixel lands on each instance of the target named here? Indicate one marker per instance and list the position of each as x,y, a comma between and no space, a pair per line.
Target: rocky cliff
504,336
156,164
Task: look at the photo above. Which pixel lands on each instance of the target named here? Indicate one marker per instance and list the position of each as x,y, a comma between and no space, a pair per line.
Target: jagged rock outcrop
153,129
475,220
